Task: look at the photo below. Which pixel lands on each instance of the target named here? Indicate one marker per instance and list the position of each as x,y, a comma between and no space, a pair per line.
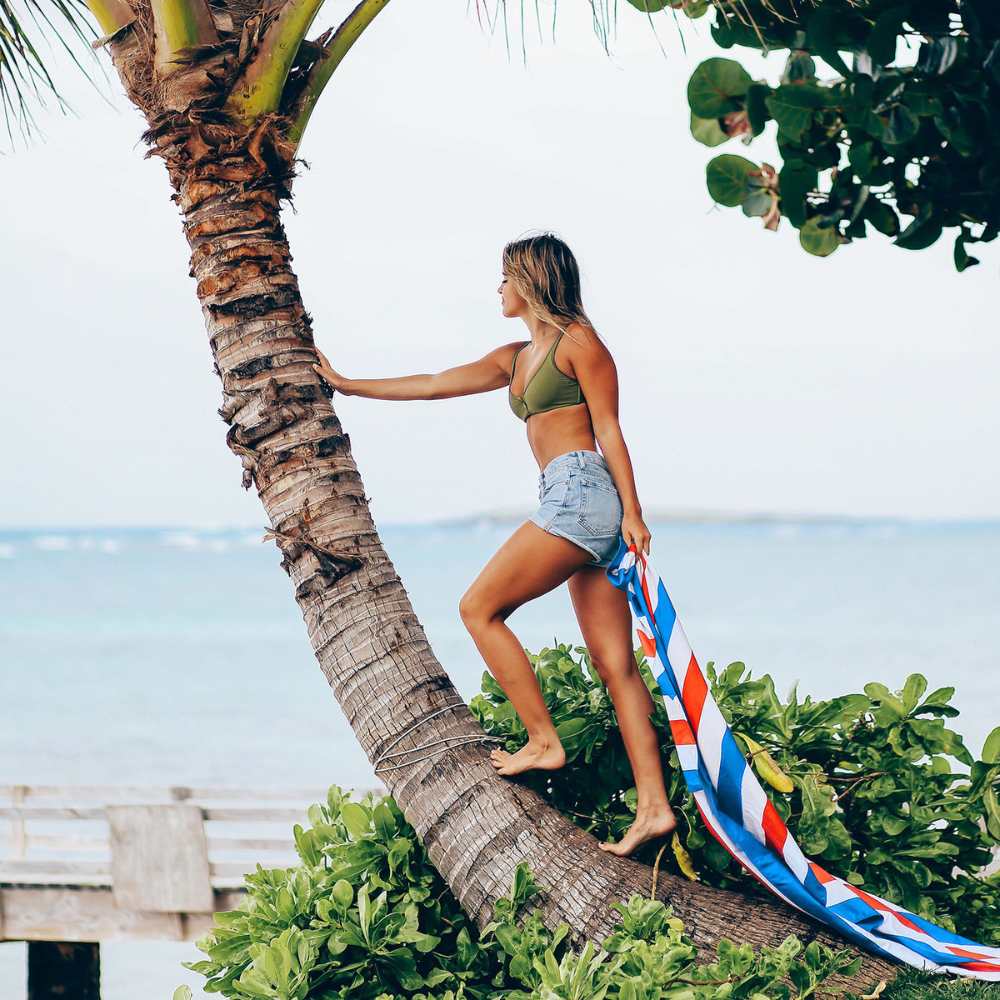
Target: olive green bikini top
547,389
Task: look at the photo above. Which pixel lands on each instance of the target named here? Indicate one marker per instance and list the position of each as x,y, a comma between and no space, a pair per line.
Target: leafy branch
880,140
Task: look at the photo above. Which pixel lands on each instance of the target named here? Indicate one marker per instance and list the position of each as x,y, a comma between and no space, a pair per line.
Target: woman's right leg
604,617
530,563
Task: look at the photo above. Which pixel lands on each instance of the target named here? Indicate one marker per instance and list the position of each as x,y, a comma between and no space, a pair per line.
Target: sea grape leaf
717,86
822,36
819,241
727,177
899,126
963,259
921,232
882,216
707,131
792,106
758,194
757,113
795,181
881,44
799,67
862,158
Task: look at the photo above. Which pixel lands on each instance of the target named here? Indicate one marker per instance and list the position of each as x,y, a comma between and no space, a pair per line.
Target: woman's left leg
530,563
604,617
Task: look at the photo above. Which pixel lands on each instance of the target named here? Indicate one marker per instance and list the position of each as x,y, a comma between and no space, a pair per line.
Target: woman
563,384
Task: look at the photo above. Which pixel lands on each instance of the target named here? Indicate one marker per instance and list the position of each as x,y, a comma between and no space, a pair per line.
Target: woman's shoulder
504,356
506,350
580,350
584,338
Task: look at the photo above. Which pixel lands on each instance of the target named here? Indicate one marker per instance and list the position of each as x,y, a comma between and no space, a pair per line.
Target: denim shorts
579,502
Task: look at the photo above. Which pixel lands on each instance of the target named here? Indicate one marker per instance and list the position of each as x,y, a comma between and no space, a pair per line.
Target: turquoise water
168,656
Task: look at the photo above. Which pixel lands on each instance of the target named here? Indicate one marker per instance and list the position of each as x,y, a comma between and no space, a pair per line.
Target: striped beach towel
742,818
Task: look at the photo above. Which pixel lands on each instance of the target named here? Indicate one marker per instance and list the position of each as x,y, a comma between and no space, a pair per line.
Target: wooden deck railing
84,864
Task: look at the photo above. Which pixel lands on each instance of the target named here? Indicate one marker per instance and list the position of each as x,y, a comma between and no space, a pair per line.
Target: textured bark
476,826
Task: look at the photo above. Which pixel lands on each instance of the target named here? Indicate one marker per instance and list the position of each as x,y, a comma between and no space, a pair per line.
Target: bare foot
647,827
545,757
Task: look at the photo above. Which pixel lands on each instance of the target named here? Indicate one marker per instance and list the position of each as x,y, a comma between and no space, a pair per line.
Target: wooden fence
85,864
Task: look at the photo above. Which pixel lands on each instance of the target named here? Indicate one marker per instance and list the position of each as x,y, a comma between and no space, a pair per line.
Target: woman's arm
595,371
487,373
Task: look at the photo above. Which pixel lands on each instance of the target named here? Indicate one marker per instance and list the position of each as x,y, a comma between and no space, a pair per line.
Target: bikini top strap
551,356
514,361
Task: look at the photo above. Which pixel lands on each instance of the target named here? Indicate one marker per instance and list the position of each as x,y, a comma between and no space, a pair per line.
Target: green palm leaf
25,80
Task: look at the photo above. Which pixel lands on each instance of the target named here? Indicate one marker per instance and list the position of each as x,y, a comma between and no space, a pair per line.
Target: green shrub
875,798
365,912
365,915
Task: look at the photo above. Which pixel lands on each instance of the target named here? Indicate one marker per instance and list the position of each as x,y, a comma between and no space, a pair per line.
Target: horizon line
692,516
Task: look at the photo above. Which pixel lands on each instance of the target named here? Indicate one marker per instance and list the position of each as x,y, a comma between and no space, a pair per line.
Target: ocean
176,656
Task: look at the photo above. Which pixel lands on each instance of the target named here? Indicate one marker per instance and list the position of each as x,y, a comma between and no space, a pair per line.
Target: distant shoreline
508,517
722,517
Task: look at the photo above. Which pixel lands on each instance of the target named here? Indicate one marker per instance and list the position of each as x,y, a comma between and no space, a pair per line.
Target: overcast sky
755,378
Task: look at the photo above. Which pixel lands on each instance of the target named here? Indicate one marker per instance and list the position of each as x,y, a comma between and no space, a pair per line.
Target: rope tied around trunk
443,745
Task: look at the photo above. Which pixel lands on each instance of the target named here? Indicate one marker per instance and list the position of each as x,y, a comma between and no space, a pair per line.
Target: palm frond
25,80
492,15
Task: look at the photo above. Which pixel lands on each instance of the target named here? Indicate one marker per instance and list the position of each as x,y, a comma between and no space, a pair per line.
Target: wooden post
61,970
159,858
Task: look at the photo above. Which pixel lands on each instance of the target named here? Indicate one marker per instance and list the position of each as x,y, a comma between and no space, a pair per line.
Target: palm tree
227,91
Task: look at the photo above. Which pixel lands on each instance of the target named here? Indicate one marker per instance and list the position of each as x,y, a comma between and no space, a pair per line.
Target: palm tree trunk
476,826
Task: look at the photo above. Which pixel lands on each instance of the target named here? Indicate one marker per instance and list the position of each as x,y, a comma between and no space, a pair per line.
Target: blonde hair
545,273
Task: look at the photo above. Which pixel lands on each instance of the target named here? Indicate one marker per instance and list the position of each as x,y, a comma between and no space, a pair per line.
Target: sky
754,378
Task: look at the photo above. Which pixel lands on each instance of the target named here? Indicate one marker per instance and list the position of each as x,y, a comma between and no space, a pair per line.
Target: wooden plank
63,914
224,814
41,877
306,795
40,842
57,842
51,812
263,814
179,793
60,969
39,845
159,858
76,792
16,868
236,869
249,844
17,836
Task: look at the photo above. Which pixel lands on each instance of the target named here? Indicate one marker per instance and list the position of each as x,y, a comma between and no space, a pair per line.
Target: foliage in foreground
365,916
884,137
873,794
